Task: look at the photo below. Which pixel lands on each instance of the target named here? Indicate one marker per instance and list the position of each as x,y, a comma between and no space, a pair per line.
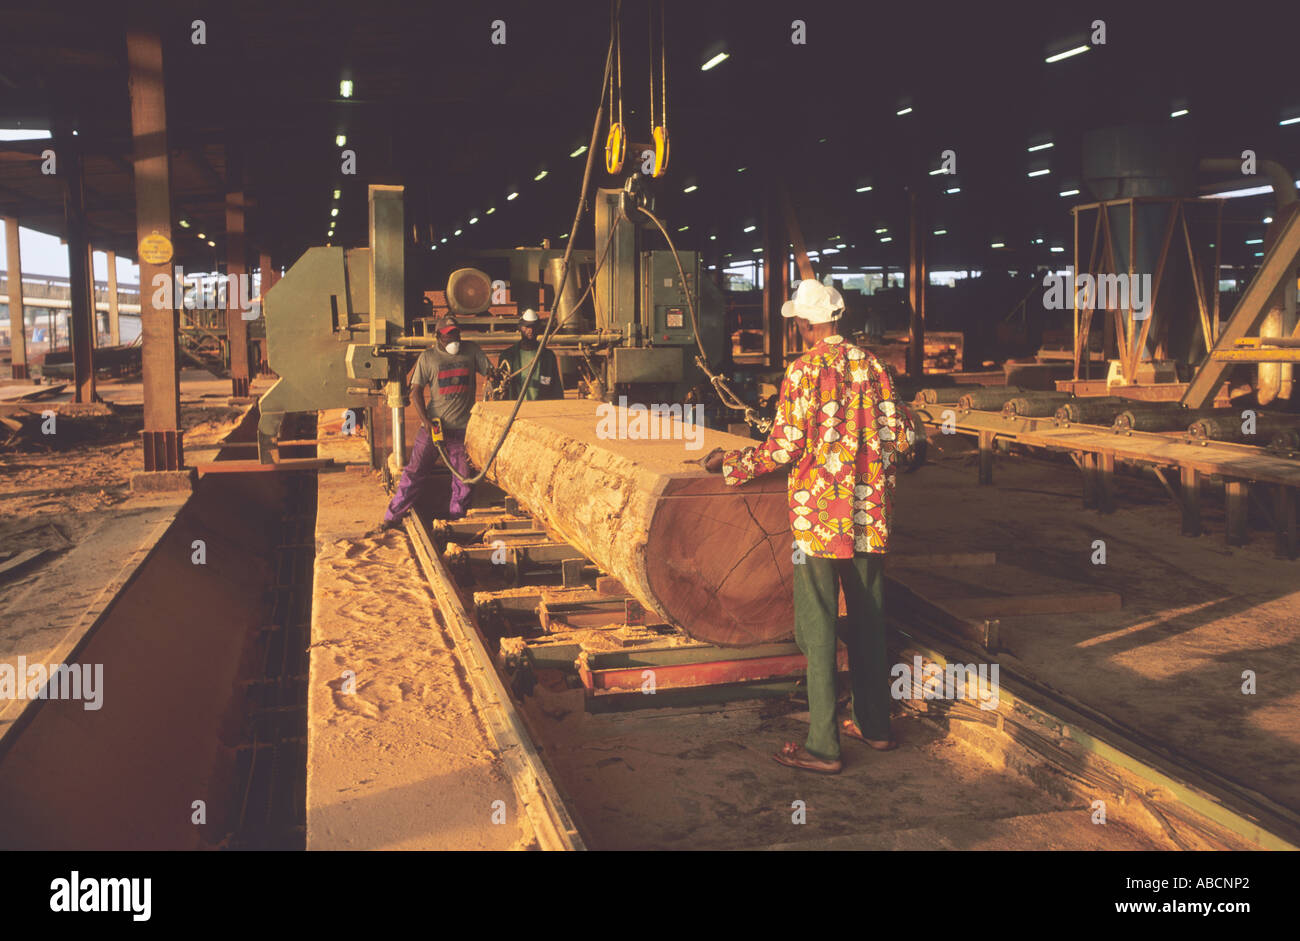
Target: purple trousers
420,469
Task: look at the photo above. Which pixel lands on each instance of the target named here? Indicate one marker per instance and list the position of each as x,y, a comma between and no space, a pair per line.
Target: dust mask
453,347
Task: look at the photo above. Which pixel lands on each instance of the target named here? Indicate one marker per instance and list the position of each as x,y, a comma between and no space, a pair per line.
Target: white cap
814,302
528,316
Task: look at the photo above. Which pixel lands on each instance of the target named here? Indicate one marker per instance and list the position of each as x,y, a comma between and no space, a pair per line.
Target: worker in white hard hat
840,433
516,359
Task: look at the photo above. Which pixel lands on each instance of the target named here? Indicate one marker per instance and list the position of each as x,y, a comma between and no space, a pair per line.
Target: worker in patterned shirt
840,434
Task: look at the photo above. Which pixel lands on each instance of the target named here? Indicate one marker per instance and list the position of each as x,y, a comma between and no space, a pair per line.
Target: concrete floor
705,779
1196,614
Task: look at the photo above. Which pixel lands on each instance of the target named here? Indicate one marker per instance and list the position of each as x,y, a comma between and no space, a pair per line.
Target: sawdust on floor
405,761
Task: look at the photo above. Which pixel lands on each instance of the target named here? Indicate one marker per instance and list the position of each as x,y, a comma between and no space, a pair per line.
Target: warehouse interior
1070,239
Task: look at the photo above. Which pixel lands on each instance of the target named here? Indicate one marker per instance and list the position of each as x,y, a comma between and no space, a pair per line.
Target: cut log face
710,559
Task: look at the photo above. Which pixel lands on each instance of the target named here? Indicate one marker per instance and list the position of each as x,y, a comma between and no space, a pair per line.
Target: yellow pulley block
615,148
661,151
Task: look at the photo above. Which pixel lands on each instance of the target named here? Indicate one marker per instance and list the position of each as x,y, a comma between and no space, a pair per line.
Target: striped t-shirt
451,381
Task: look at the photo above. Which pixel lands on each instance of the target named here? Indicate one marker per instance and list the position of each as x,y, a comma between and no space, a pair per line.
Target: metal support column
114,327
163,443
917,276
17,323
776,282
94,298
387,297
81,320
236,270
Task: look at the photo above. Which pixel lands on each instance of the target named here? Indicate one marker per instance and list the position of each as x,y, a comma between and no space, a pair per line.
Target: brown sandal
850,728
792,756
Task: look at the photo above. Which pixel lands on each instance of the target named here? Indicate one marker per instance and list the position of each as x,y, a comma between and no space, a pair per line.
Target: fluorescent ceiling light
185,223
887,238
1267,220
750,228
1057,248
953,189
338,193
345,88
690,189
341,140
720,57
511,196
334,211
713,238
539,176
683,228
1041,146
457,232
1066,54
997,245
490,211
1039,172
940,231
1179,113
202,236
212,244
907,110
579,152
473,220
1254,241
1234,194
1068,193
1295,120
18,133
937,172
881,231
864,189
444,240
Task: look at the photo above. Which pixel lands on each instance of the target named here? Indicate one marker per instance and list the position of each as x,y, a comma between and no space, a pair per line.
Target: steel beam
1278,265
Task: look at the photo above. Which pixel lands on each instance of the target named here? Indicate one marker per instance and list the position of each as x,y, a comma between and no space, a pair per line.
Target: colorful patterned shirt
840,432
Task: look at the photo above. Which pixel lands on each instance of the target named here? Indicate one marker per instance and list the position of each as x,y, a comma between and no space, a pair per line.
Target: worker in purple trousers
449,370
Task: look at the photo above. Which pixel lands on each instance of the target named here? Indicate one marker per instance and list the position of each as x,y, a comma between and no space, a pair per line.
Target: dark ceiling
462,122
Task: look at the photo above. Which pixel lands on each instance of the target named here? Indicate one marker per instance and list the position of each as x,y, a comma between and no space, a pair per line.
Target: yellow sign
155,249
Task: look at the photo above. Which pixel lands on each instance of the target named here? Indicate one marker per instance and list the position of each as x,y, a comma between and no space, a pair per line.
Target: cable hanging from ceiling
616,142
659,131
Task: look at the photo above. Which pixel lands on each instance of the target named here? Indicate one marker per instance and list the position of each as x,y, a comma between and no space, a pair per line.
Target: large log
713,560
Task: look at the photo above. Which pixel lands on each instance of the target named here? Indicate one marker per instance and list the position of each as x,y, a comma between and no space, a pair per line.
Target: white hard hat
528,316
814,302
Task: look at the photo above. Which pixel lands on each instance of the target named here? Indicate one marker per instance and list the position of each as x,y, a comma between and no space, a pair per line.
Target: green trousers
816,609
